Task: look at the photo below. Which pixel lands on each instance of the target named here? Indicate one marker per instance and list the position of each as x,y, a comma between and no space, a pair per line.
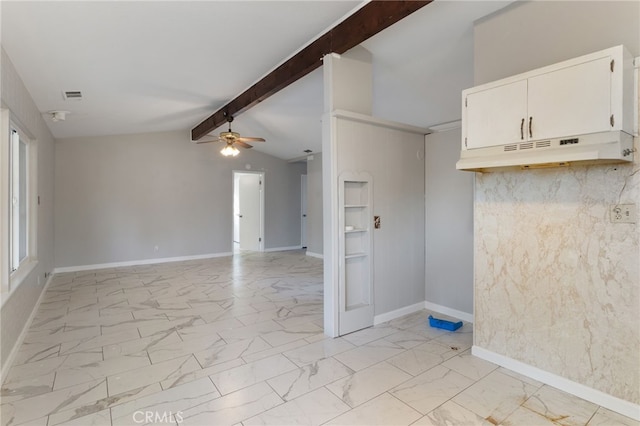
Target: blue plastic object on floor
444,324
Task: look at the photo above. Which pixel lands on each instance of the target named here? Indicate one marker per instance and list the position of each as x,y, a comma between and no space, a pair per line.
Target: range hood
604,147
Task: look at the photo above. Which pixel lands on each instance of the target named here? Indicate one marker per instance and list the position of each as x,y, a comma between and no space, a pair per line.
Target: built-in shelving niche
355,240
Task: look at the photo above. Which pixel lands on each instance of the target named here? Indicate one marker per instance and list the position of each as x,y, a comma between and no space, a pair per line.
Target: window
18,199
19,204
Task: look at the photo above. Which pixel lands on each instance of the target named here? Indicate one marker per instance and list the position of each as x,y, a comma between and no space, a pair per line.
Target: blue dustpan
444,324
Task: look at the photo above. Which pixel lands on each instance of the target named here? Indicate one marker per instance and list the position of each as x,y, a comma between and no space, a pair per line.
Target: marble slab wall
557,285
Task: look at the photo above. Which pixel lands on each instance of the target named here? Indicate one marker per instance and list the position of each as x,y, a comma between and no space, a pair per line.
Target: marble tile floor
239,341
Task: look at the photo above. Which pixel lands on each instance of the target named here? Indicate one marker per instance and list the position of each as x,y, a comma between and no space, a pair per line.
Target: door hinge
611,120
465,102
38,200
259,240
465,142
612,64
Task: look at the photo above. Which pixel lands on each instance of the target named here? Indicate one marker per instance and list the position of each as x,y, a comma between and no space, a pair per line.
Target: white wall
449,224
557,284
18,306
120,196
529,35
314,205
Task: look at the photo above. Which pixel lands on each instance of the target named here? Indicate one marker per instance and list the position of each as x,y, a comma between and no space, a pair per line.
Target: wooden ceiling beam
363,24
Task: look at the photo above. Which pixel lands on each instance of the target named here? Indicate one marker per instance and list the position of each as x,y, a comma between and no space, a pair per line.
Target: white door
249,214
571,101
496,116
303,211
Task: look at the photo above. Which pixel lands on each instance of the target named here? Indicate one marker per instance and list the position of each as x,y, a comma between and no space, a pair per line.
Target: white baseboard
283,248
613,403
388,316
464,316
138,262
23,333
316,255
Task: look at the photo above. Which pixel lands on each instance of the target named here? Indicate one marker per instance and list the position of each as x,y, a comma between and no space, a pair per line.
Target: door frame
304,207
235,175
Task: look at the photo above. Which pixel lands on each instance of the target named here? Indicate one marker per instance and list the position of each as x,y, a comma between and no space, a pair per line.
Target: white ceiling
151,66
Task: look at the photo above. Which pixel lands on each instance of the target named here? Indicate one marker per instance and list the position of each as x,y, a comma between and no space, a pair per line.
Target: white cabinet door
496,116
570,101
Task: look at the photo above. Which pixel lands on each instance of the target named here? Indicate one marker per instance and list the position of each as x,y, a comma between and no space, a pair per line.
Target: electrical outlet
623,213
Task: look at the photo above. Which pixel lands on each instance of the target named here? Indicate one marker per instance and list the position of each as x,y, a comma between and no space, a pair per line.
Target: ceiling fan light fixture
229,151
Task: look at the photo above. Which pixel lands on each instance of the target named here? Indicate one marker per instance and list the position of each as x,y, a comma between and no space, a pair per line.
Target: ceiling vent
72,95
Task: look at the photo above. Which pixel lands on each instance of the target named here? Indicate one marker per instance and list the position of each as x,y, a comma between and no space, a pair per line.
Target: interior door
303,211
249,211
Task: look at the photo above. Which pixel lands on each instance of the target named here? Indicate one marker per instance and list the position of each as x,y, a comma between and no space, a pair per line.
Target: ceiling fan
231,140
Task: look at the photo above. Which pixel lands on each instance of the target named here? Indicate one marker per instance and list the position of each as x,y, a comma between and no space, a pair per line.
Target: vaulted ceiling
154,66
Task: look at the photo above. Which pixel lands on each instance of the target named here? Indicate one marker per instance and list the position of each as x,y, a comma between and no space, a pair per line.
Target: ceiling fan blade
243,144
209,140
248,139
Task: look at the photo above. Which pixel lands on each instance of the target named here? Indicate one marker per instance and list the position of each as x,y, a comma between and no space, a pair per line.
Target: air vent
72,95
527,145
543,144
511,147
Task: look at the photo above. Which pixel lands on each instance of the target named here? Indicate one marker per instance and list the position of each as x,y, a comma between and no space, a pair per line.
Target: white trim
283,248
316,255
330,209
388,316
78,268
23,333
636,83
5,266
613,403
464,316
362,118
445,127
26,266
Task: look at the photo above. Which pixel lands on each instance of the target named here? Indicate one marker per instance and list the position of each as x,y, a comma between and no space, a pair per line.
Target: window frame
10,278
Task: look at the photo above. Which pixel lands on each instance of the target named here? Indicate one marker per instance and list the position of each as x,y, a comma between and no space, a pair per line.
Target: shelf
355,206
351,231
355,255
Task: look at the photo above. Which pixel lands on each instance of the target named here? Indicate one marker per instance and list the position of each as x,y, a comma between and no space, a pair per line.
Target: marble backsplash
557,285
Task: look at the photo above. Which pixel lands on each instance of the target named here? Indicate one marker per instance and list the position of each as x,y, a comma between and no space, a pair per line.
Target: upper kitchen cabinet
495,116
570,101
585,95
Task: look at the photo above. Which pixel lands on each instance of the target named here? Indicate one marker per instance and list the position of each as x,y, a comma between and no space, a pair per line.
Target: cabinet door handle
530,127
522,129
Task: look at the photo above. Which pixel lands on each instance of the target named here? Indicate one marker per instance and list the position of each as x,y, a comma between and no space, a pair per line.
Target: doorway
248,211
303,211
